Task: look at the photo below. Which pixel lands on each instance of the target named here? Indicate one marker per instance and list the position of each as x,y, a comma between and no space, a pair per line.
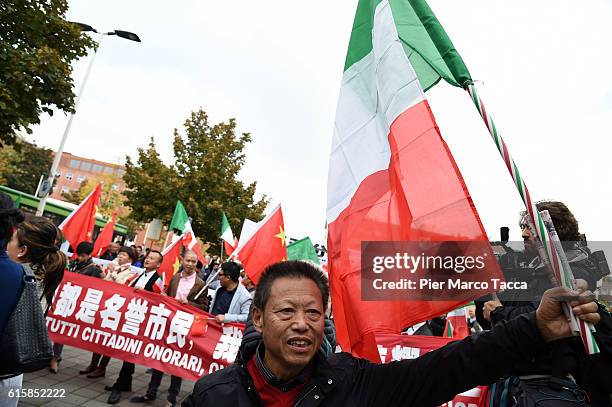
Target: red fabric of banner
399,347
140,327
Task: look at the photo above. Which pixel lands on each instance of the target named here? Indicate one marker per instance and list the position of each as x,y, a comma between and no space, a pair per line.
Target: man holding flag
287,369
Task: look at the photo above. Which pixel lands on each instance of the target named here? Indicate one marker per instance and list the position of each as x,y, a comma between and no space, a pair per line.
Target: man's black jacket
430,380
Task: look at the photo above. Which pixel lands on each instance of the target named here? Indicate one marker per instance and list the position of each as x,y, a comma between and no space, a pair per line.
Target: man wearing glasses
231,301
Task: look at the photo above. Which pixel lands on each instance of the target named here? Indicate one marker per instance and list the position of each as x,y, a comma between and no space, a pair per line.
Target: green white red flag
105,237
181,222
229,241
266,245
456,324
79,225
391,175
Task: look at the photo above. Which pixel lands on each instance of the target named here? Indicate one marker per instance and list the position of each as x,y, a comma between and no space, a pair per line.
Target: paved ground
84,392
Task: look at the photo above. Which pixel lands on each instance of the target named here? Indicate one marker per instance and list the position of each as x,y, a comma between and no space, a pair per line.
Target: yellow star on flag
176,265
281,236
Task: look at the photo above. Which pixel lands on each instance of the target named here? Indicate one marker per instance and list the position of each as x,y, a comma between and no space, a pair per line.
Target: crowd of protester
494,323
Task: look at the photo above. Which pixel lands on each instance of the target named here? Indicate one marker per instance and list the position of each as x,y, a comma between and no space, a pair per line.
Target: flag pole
221,258
566,279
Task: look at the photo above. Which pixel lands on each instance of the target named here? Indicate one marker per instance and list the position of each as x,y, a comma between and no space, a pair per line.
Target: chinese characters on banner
399,347
140,327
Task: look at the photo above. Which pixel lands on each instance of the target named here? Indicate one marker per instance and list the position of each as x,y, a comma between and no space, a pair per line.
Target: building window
108,170
115,187
69,176
74,163
85,166
65,190
120,172
97,168
80,179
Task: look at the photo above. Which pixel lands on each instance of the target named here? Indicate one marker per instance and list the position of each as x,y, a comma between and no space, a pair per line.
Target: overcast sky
276,67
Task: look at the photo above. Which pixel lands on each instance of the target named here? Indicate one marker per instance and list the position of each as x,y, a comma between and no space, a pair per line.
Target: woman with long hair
11,281
37,241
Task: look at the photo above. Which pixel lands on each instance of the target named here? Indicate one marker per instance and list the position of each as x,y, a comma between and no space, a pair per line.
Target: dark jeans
95,358
173,390
124,381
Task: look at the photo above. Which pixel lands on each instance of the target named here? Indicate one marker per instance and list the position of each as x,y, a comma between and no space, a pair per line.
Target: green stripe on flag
430,50
180,218
303,250
425,42
360,44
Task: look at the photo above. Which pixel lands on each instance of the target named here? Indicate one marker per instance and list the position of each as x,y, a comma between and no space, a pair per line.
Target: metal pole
60,150
38,186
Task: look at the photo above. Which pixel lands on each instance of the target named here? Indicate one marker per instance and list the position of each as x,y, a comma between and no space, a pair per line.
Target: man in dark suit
147,281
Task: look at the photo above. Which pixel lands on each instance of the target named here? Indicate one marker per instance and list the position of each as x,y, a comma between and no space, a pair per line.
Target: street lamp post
48,183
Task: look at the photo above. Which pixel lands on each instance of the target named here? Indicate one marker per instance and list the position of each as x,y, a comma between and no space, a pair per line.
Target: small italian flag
180,221
229,241
448,329
456,324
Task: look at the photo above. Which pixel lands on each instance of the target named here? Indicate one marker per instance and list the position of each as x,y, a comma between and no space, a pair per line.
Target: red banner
140,327
399,347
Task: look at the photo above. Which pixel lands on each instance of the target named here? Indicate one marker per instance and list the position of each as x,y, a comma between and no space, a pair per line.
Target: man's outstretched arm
480,359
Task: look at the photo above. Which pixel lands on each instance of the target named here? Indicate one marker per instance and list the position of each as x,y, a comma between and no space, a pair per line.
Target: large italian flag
391,176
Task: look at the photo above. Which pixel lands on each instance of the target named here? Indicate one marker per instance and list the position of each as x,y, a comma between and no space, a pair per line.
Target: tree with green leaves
37,47
22,164
208,158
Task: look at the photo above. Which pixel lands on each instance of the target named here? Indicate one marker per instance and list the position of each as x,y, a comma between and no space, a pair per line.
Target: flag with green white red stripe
391,175
181,222
229,241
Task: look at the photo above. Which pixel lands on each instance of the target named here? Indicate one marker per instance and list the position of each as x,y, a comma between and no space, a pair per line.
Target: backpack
547,392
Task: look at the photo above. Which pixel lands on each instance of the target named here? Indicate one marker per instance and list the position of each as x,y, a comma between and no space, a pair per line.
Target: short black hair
289,269
84,248
129,251
161,256
9,217
232,269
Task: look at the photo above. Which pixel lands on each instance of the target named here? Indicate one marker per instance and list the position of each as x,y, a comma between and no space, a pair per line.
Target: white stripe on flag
374,92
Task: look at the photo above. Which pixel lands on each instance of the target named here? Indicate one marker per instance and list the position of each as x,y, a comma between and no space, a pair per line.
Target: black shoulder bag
25,345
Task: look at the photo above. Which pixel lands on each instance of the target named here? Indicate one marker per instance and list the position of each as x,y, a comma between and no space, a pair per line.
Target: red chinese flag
172,261
199,326
105,237
265,246
78,226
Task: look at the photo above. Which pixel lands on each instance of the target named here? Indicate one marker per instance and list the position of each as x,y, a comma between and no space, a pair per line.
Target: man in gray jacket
231,301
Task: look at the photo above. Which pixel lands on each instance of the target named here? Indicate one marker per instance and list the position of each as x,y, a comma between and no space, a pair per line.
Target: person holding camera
562,364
